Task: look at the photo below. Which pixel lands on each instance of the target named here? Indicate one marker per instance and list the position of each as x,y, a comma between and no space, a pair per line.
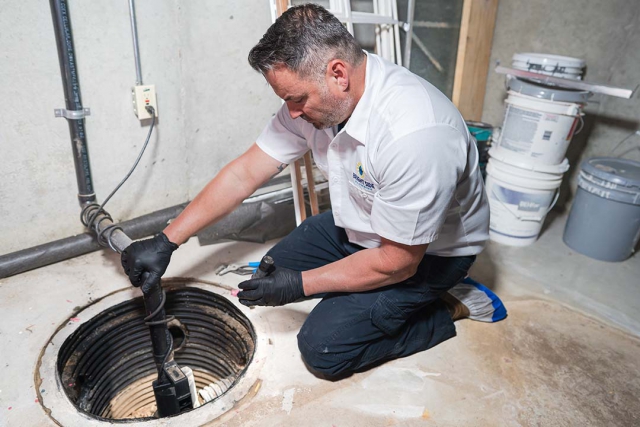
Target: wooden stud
281,6
311,184
297,176
474,51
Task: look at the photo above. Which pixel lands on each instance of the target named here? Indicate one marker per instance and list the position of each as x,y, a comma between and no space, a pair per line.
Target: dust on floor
544,365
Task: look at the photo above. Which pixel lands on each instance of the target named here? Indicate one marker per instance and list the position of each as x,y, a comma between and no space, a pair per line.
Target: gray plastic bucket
604,222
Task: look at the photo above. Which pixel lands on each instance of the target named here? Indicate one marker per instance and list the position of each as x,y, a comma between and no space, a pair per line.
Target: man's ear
338,74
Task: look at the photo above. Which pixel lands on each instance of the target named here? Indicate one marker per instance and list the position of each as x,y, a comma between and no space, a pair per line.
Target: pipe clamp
72,114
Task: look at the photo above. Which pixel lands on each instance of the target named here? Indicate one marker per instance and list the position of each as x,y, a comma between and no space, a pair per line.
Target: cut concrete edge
63,412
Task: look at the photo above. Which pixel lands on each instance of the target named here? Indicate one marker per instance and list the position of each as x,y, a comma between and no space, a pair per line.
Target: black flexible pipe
73,100
156,319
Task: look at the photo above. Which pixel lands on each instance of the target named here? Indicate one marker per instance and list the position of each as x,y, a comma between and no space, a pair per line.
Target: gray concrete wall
212,105
607,35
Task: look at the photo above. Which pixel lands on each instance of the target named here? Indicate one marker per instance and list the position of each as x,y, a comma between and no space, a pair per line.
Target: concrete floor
566,355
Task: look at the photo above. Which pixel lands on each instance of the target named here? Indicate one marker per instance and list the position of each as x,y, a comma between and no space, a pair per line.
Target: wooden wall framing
474,52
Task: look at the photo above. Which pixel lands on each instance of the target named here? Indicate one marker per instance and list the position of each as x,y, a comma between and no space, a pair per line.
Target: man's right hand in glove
147,256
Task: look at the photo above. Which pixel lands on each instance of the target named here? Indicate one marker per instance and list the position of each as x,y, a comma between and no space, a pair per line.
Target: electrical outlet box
144,96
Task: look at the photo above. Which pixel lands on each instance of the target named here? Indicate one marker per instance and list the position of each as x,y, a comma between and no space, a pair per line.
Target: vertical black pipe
153,296
73,101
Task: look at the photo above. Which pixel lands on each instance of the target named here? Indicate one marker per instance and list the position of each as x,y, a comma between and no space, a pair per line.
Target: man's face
318,102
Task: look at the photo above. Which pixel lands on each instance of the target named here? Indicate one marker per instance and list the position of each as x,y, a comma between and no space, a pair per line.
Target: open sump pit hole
106,366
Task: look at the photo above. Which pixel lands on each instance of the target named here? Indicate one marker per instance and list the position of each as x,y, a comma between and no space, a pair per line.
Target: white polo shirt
404,167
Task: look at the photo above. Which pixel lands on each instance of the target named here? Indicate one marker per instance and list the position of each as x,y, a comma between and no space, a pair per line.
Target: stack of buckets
527,160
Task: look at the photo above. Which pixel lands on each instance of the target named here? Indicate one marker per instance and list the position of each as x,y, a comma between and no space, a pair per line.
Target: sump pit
106,366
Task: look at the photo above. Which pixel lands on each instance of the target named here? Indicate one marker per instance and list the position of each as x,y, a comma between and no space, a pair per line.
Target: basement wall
212,106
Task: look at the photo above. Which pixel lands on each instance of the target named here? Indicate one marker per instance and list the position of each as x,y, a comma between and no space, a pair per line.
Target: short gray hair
305,39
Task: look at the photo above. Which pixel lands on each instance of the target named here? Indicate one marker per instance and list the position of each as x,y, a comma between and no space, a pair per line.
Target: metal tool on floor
241,269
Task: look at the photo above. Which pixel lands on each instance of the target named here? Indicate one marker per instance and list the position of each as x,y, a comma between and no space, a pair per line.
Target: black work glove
280,287
147,256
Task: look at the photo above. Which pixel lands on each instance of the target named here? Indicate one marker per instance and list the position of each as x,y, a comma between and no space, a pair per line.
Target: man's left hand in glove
281,287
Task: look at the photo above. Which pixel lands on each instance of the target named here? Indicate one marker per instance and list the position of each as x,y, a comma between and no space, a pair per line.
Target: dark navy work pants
347,332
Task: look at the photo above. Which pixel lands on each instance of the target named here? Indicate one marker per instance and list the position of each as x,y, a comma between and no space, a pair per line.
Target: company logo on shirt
358,177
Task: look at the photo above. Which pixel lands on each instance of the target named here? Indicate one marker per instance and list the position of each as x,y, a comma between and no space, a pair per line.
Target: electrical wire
90,212
624,140
149,322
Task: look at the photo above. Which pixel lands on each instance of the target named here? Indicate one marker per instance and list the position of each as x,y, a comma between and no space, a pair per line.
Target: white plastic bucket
519,200
565,73
548,59
551,65
538,130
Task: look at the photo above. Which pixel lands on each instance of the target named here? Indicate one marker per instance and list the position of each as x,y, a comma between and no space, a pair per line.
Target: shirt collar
358,123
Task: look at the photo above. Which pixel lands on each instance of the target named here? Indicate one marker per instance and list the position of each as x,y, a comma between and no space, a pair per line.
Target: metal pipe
411,5
73,100
396,32
134,35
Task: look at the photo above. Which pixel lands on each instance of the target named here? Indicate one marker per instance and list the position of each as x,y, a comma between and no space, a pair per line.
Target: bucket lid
528,66
549,73
548,59
551,93
603,189
479,125
506,157
545,105
620,172
562,72
524,173
522,178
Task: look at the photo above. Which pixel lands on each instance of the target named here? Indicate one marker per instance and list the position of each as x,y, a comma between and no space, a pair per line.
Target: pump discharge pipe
172,387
